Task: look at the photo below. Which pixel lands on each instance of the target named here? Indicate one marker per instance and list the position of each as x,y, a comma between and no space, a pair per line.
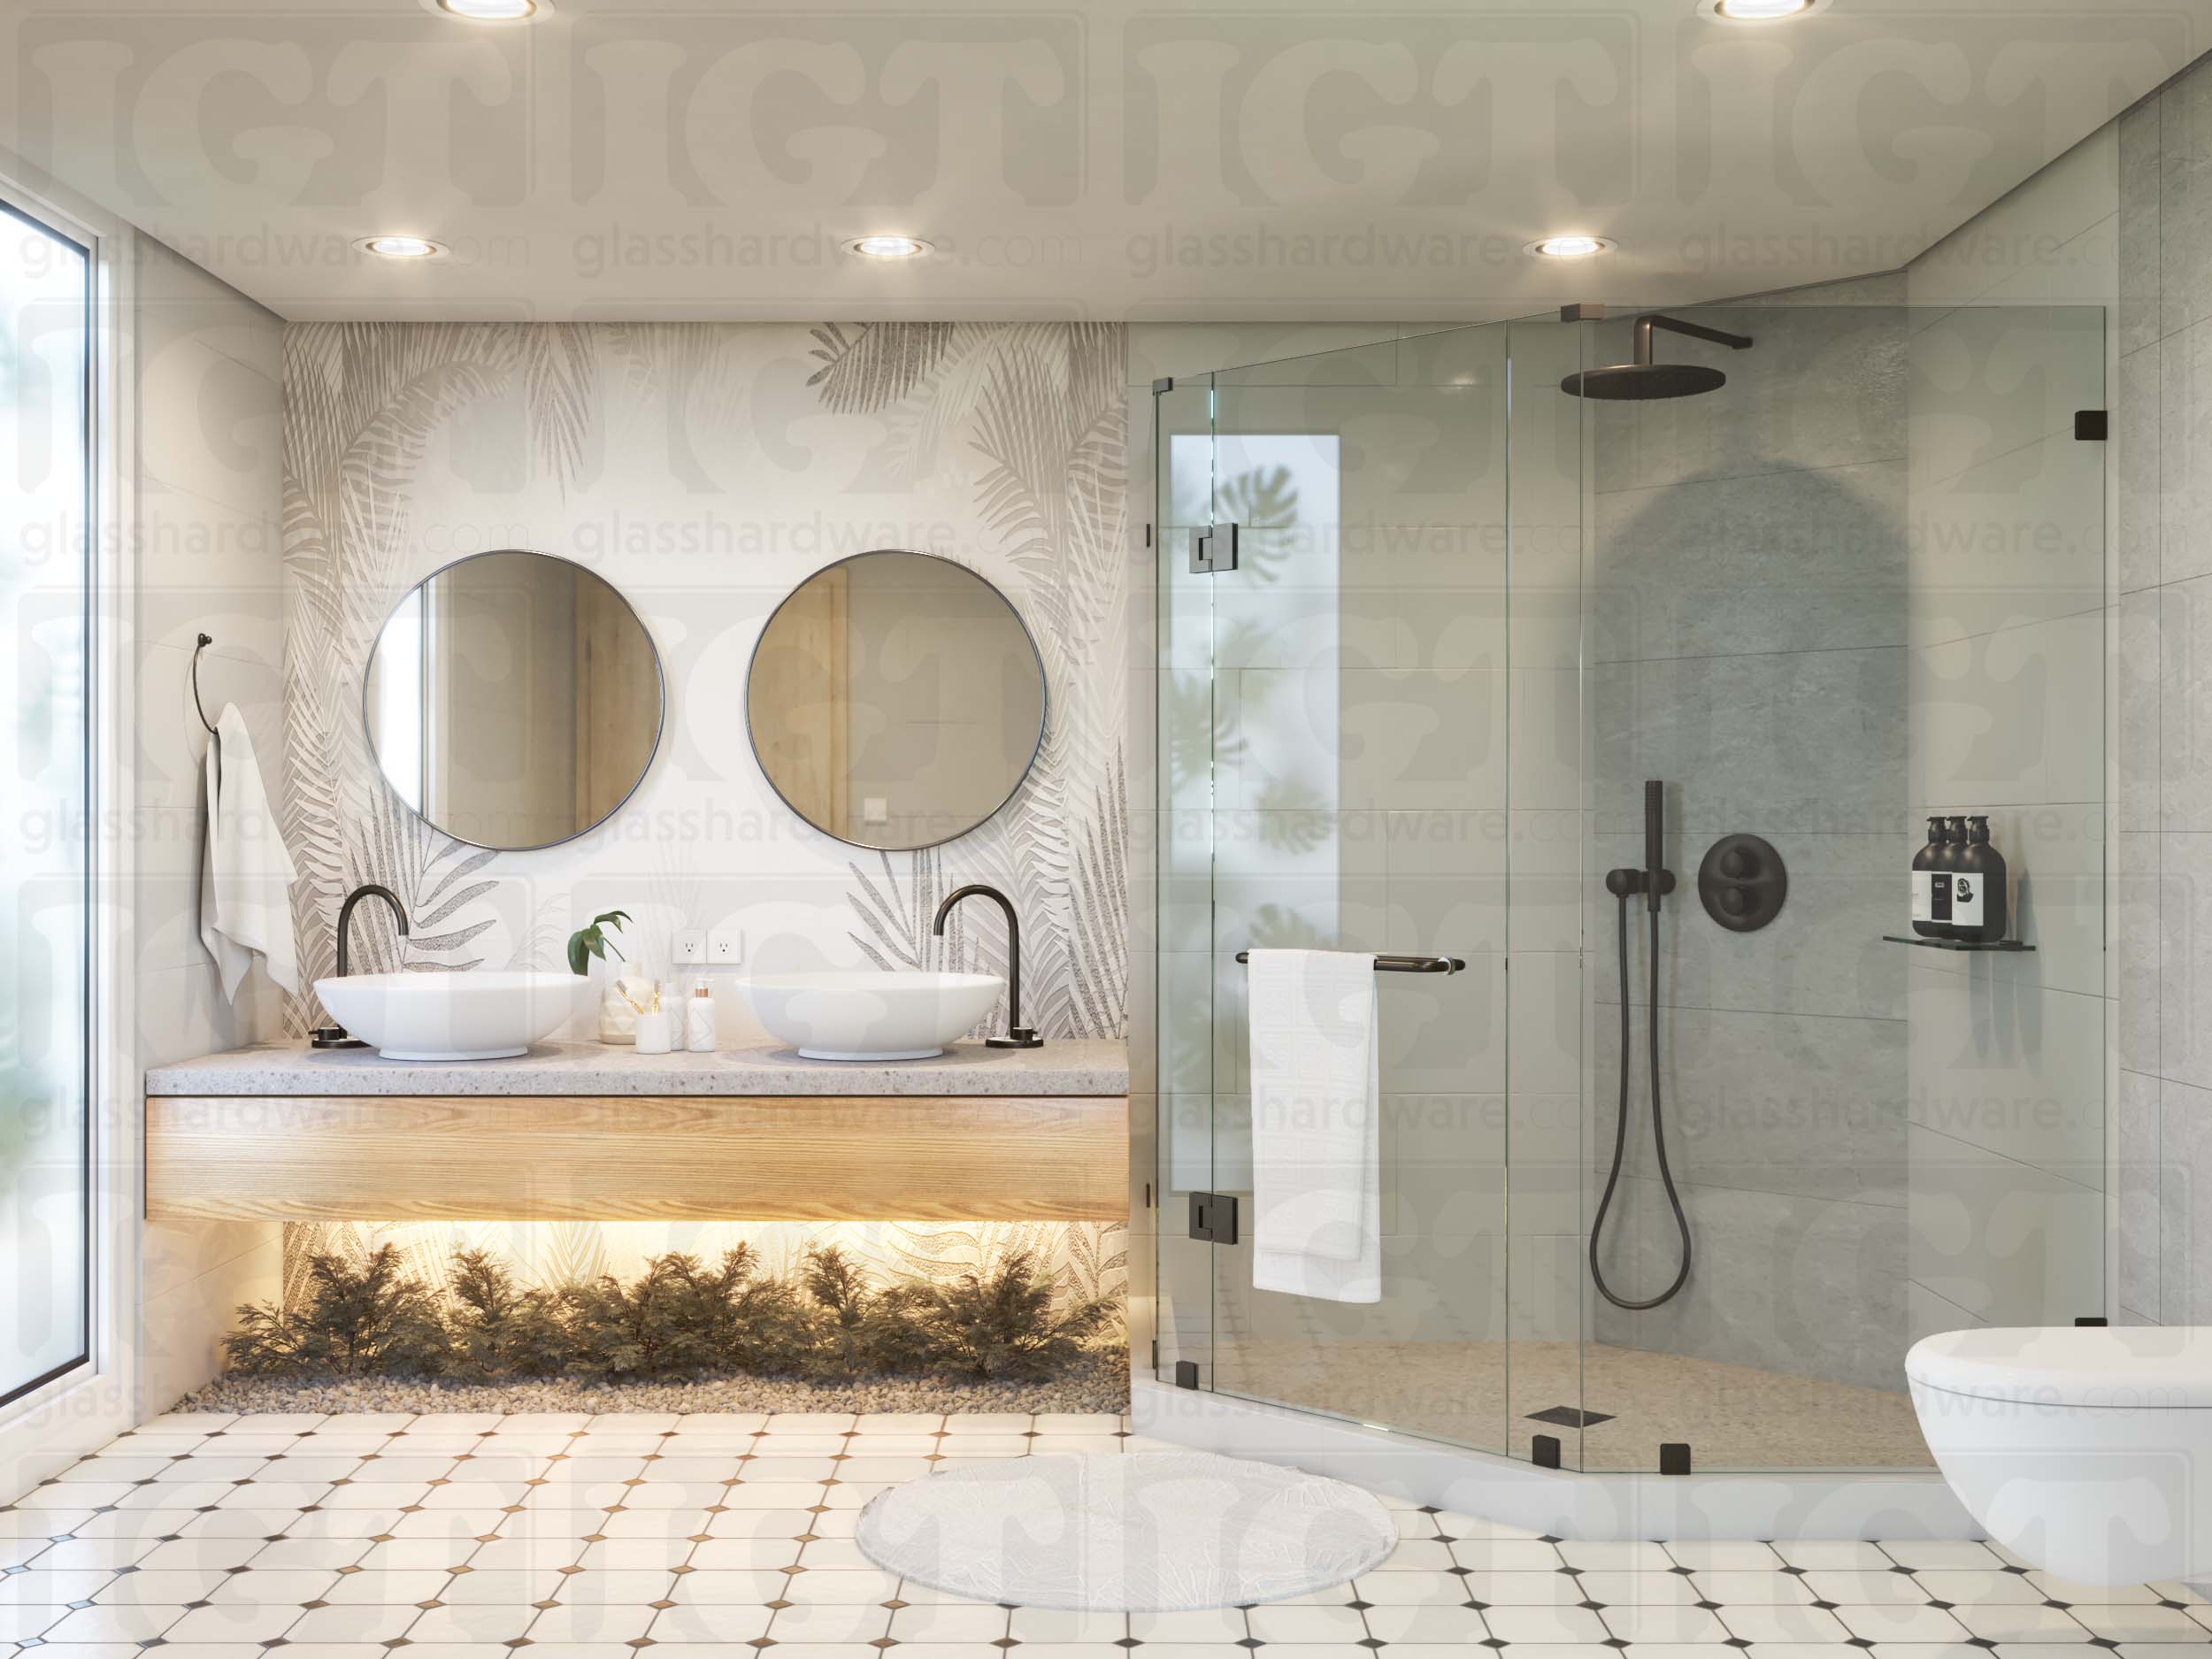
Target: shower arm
1650,320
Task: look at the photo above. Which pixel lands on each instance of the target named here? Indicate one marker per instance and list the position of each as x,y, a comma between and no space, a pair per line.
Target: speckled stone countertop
1071,1067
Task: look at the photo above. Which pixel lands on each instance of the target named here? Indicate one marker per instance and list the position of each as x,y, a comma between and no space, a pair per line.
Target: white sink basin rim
868,1015
473,1016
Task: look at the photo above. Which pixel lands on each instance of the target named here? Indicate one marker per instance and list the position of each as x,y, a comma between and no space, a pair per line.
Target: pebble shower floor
209,1536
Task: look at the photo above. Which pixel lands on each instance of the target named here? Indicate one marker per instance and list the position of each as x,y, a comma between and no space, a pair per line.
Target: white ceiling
703,158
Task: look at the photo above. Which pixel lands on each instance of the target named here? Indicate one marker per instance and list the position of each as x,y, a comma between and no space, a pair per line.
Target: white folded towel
246,871
1317,1132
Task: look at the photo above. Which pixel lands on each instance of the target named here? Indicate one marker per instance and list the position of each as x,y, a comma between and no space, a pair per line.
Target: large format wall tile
2013,719
2136,1184
2013,1069
2009,1243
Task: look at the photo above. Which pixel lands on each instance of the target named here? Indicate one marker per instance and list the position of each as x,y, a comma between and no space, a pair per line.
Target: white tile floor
359,1537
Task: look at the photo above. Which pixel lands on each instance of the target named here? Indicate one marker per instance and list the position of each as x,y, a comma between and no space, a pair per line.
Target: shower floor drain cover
1133,1531
1569,1416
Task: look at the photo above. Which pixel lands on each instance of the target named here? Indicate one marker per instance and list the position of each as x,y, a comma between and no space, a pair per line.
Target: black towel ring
198,707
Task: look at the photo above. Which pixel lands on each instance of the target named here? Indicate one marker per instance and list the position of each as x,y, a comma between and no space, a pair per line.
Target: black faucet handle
1015,1037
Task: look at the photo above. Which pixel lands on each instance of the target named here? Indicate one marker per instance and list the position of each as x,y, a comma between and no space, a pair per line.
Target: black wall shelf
1957,944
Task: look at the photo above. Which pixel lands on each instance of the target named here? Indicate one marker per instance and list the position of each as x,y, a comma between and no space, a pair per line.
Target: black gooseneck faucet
336,1036
1017,1035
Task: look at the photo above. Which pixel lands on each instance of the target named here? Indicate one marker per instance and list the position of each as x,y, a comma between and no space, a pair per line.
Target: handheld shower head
1656,879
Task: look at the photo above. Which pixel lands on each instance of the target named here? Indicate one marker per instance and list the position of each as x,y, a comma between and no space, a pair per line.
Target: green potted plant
626,995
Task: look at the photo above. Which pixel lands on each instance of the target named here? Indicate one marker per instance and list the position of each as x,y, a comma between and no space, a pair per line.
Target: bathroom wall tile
1446,881
2136,1184
1823,954
2011,719
1398,740
1300,879
1549,854
2139,670
2016,1070
2185,203
2015,539
2011,1244
2139,503
1445,1033
1783,561
165,909
1926,1314
2185,1203
2185,968
176,300
2016,237
2184,714
180,1329
1780,1103
1811,741
216,431
2139,905
1545,993
1446,1155
182,1013
173,1254
1547,1163
1987,381
1855,353
1545,733
1808,1287
2142,152
2185,445
1394,453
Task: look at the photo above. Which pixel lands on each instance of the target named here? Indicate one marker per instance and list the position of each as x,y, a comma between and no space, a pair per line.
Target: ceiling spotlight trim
430,254
888,245
1549,247
1716,12
533,11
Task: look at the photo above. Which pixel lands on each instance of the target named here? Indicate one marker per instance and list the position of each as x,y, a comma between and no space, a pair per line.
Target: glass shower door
1351,711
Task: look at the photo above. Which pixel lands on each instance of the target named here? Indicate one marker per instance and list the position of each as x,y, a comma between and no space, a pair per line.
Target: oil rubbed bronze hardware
1403,965
337,1036
1017,1035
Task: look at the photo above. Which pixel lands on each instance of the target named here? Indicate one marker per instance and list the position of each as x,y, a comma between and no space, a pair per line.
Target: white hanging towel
246,873
1317,1132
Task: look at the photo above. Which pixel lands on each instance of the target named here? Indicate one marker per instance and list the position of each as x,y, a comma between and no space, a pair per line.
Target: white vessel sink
449,1015
870,1016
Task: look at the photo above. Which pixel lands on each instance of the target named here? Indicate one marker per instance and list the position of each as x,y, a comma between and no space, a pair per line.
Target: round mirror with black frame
513,700
895,700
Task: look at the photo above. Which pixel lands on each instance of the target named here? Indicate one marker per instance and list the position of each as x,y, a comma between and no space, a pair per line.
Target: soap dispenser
1923,863
699,1018
1977,886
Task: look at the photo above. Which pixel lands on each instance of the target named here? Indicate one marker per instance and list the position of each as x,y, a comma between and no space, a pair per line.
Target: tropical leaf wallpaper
705,470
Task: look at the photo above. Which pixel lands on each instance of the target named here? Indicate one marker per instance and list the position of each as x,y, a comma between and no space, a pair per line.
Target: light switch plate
690,945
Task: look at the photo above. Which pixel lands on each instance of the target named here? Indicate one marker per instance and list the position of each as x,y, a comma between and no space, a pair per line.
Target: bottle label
1922,896
1966,900
1940,895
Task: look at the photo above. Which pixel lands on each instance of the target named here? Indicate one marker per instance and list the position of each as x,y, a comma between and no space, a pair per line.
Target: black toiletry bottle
1923,863
1942,878
1977,886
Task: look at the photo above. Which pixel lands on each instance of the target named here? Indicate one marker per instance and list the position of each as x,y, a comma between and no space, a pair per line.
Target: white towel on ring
246,871
1317,1133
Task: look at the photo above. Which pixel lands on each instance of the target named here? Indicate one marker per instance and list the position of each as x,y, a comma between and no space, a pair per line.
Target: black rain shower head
1643,380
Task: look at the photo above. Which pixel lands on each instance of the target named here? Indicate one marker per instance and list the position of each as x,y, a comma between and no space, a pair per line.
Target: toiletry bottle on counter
699,1019
1977,886
1923,863
657,1031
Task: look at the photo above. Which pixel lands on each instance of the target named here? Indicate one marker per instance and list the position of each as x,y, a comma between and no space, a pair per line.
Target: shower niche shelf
1957,944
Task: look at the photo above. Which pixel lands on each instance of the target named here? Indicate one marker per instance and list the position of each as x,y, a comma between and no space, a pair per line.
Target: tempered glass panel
45,346
1361,797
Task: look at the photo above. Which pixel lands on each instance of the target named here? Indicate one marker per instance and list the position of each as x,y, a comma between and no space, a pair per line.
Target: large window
46,340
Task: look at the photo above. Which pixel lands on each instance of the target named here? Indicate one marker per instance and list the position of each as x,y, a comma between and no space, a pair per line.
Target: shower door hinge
1165,383
1213,1217
1155,1356
1148,536
1213,551
2091,425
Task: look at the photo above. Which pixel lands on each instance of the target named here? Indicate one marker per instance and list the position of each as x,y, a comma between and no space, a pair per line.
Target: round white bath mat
1137,1533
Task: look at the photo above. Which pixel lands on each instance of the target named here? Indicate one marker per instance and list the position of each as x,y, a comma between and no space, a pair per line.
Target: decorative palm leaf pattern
705,469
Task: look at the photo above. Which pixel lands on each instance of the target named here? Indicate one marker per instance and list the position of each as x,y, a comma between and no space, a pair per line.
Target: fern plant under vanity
682,1318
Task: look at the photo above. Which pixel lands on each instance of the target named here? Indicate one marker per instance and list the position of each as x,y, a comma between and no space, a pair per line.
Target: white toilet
2085,1450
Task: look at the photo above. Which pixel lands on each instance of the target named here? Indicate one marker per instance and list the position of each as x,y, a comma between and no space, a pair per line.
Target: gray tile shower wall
1748,626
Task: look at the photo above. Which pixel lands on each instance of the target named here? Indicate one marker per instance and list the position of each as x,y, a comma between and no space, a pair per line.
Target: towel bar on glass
1403,965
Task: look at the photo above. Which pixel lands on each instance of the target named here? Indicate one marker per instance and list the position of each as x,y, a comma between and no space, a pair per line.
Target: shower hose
1620,1131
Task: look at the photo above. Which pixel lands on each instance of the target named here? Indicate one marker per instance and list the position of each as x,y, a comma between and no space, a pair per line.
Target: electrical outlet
726,949
690,945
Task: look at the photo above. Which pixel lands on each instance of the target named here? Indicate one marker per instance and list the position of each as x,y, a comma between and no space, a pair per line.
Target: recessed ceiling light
1759,11
492,10
887,247
1569,247
401,247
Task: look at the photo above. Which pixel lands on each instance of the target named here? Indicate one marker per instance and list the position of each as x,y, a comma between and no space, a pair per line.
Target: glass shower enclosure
1428,625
